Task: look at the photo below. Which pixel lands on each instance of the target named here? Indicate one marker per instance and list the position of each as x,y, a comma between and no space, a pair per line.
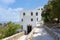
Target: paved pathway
41,34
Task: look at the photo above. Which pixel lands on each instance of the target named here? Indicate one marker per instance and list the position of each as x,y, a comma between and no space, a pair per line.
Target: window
37,19
22,26
36,13
22,20
31,19
24,14
31,13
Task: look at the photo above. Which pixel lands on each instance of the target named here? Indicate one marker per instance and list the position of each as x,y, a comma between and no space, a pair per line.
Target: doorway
29,28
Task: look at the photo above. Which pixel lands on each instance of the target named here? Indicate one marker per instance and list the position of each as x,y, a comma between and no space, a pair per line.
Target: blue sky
29,4
9,9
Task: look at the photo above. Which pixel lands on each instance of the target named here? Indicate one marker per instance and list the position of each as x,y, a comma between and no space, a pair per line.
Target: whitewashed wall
27,18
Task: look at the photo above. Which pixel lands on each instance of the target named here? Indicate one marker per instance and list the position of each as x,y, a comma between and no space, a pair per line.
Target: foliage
51,11
9,30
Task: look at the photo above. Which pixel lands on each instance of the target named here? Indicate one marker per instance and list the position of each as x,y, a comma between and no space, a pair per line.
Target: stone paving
41,34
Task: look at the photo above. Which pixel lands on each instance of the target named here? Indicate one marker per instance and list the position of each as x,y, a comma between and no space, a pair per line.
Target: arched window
31,13
36,13
31,19
24,14
22,20
37,19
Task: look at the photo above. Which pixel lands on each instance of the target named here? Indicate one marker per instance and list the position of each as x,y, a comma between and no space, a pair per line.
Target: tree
46,13
52,10
56,9
10,29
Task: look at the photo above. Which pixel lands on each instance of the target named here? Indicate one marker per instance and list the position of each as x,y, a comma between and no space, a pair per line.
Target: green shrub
10,30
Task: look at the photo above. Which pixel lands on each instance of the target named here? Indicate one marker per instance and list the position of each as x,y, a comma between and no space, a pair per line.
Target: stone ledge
14,37
30,35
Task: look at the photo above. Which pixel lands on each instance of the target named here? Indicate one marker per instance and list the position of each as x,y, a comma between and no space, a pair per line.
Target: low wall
55,35
30,35
14,37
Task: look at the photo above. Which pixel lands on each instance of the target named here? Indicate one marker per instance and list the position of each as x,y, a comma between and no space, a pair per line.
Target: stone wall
30,35
14,37
55,35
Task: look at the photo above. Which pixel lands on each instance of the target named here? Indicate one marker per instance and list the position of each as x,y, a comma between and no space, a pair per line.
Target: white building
30,18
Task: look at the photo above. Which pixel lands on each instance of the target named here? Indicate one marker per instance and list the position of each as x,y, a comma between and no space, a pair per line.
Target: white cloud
8,1
16,9
10,14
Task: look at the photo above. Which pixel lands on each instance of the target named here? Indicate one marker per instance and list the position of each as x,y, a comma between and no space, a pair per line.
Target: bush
10,30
